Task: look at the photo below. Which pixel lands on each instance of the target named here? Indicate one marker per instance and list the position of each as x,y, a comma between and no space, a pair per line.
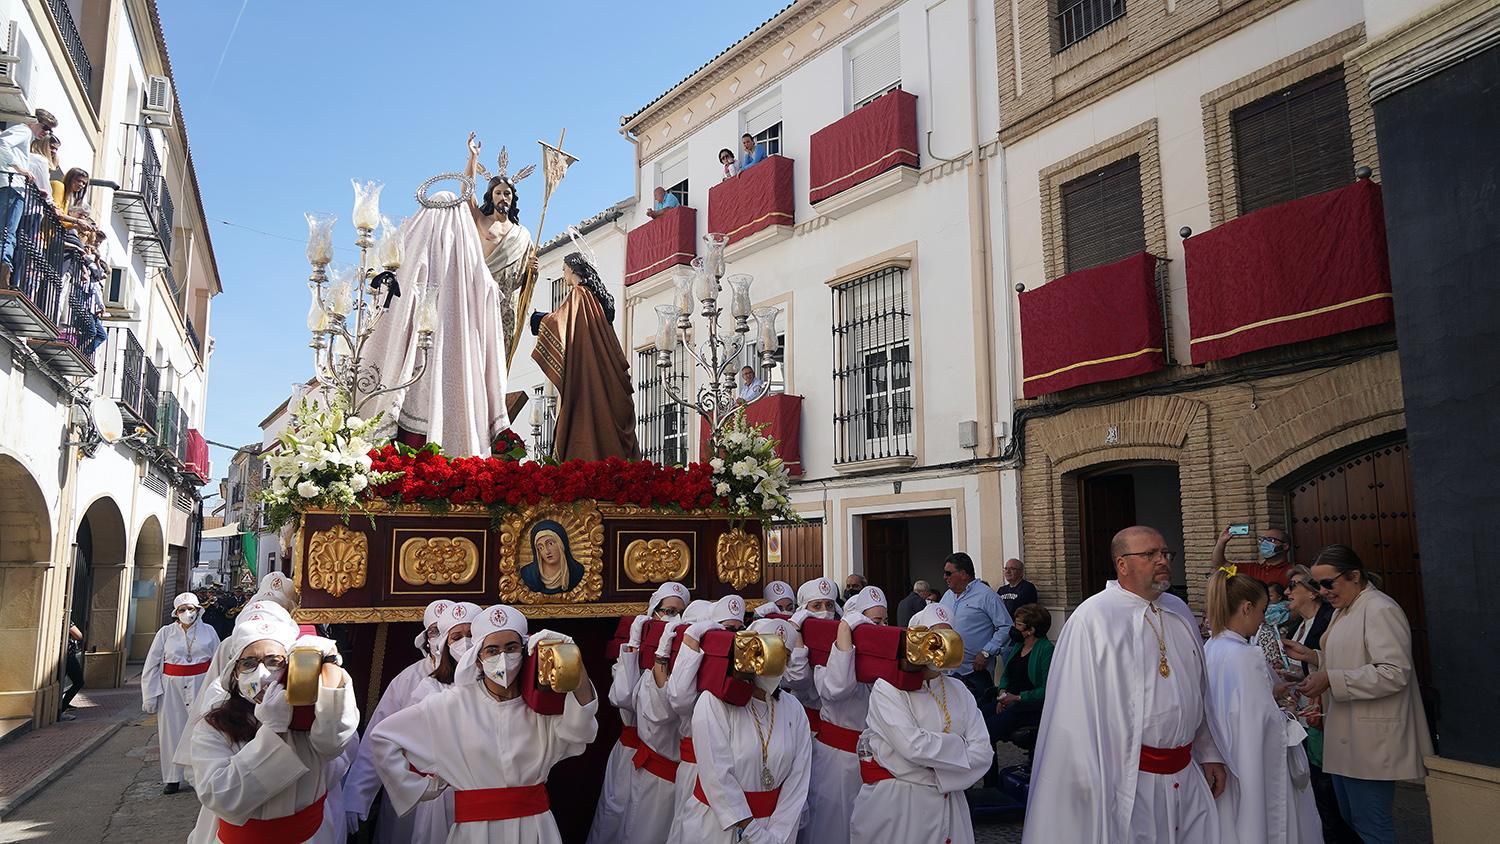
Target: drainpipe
979,255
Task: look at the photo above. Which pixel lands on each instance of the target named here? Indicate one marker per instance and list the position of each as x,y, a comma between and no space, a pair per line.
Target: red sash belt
298,826
814,719
839,738
687,752
472,805
762,803
629,737
1169,760
656,763
172,669
872,772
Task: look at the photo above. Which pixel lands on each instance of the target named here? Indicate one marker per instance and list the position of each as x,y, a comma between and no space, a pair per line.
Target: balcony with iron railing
143,198
72,41
150,392
171,427
123,371
36,301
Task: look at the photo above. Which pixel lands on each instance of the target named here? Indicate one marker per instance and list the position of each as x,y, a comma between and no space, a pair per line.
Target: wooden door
801,552
887,555
1106,506
1366,502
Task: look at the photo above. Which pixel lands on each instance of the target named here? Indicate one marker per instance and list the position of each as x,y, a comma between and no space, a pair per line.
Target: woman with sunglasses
1374,725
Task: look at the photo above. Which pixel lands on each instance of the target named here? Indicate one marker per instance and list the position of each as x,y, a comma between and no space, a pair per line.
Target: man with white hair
754,763
919,752
483,740
175,669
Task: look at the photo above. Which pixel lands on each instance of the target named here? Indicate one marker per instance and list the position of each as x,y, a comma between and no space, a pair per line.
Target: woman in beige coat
1374,726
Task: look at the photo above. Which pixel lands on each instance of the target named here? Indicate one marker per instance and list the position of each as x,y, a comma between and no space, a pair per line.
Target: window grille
1293,143
661,424
1078,19
1102,217
872,374
549,421
559,292
874,66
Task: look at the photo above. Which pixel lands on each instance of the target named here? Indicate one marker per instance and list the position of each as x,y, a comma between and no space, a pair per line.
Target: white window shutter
762,116
674,171
875,66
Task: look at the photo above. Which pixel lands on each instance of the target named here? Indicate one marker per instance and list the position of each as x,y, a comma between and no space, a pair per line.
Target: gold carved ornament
337,560
657,560
762,654
584,526
941,650
559,666
738,558
438,561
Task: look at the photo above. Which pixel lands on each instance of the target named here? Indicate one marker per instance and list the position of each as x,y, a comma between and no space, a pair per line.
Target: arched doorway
1112,497
25,555
97,596
150,562
1363,499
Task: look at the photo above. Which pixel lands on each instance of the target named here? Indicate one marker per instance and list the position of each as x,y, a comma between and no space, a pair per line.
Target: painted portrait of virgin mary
552,570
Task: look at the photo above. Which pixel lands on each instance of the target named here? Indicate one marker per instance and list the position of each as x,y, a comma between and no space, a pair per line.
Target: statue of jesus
506,243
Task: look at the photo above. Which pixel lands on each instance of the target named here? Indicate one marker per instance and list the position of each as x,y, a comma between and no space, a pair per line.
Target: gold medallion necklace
766,780
1161,640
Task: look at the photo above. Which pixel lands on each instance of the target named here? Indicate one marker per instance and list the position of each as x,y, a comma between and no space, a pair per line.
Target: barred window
559,292
548,435
1293,143
661,424
1078,19
872,374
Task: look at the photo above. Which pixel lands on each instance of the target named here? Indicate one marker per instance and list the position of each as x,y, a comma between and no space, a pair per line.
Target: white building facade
96,533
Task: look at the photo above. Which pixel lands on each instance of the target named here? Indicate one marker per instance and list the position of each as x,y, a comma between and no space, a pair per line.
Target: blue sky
312,94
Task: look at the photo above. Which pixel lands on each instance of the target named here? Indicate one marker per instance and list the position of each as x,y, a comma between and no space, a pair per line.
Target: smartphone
1239,530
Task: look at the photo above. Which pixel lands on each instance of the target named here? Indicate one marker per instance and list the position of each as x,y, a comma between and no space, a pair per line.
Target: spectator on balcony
750,385
67,195
753,153
661,202
84,277
731,167
15,157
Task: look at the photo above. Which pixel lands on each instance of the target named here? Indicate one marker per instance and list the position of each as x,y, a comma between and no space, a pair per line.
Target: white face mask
669,615
821,614
252,683
503,668
767,684
187,616
459,648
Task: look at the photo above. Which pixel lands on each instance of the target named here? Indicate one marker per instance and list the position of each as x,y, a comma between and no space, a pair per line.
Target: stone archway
150,561
98,601
25,560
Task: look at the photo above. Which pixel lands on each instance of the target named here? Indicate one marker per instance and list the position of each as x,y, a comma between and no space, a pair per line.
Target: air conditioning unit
118,294
15,71
158,106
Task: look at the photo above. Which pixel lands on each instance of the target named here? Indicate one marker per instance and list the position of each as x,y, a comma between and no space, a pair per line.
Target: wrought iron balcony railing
143,198
73,41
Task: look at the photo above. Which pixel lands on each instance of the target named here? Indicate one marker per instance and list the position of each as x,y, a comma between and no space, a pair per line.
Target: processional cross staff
555,164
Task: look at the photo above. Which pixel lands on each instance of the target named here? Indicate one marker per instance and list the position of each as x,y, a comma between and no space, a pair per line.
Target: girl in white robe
737,747
919,753
432,819
482,739
830,800
270,784
362,782
1261,803
610,816
175,669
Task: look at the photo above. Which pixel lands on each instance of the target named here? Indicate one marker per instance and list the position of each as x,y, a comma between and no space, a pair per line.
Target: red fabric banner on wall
666,241
863,144
758,197
1304,269
197,454
1093,325
782,416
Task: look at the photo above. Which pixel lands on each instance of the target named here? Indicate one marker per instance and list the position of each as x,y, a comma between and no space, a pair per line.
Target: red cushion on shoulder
818,634
716,672
877,656
622,635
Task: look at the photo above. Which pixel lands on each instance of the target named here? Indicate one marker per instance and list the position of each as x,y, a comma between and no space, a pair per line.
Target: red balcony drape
1304,269
197,454
782,416
863,144
1093,325
759,197
666,241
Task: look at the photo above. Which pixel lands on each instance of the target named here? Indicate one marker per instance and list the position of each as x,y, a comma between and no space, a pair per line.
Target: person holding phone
1274,552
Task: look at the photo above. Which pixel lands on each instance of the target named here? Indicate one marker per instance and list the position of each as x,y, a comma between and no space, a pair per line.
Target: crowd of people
54,236
1291,723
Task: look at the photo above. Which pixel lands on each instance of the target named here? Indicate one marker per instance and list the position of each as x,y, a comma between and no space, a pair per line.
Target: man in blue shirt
753,153
661,202
980,618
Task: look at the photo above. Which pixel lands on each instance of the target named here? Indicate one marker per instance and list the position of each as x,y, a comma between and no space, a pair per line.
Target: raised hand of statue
474,146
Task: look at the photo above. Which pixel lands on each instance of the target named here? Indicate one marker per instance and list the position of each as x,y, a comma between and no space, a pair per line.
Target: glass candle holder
427,315
319,237
341,292
705,284
766,319
684,291
390,250
666,328
714,253
739,286
317,316
366,204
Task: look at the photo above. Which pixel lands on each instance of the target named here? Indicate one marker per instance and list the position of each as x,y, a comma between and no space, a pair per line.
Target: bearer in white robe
667,603
1262,804
920,752
1124,752
432,819
362,783
815,598
175,668
257,778
654,798
754,763
780,597
482,739
845,701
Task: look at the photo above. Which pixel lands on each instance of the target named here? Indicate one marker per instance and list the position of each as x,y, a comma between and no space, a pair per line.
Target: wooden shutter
1293,143
874,67
1102,216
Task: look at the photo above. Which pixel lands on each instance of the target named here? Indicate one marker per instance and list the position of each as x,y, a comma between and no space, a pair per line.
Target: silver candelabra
718,354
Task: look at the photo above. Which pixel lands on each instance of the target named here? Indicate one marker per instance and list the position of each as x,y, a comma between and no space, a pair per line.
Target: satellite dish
107,419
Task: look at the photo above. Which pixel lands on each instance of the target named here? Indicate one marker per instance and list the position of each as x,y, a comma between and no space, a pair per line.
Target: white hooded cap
252,626
727,608
934,615
458,613
278,587
870,596
490,620
186,599
435,610
818,589
665,591
697,611
776,590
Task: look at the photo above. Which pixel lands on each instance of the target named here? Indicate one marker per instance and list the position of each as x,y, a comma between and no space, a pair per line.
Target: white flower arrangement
324,461
747,474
